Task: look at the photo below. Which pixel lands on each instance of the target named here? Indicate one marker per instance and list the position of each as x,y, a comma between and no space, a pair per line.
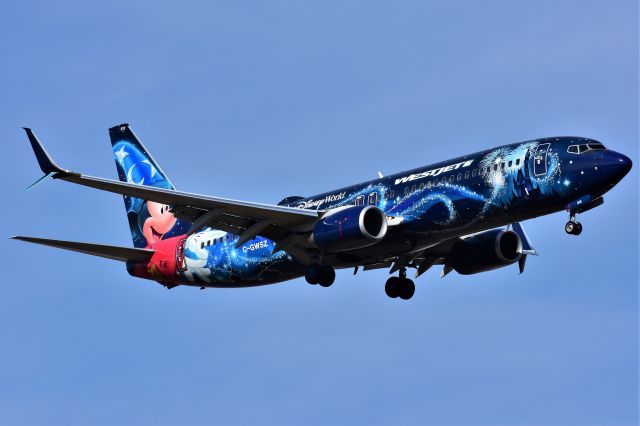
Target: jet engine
348,228
485,251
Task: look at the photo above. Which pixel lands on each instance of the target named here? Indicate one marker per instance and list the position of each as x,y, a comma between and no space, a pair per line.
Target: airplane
464,214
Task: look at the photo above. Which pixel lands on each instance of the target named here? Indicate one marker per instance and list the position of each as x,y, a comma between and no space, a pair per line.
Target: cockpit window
579,149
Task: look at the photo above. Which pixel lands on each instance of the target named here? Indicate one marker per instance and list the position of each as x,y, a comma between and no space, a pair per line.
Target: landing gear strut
401,286
573,227
324,275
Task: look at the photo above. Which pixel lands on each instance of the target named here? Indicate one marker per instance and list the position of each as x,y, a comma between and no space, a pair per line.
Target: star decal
121,155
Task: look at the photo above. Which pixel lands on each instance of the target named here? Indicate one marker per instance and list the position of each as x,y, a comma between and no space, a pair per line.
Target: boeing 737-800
463,214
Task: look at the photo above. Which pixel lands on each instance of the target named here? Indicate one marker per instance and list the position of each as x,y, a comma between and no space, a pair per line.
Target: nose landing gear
573,227
401,286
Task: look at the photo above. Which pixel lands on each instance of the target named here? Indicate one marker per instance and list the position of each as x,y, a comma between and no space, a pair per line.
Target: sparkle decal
509,173
436,208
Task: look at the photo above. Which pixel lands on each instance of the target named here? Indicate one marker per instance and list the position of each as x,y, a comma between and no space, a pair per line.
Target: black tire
578,229
313,273
392,287
327,276
570,227
407,289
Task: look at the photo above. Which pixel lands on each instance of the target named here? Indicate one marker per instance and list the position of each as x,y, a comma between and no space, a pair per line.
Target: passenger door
181,263
540,160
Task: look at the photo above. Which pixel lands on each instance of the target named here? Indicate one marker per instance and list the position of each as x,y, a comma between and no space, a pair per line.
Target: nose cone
616,166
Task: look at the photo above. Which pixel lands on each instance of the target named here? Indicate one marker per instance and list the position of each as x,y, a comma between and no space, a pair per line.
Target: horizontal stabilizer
110,252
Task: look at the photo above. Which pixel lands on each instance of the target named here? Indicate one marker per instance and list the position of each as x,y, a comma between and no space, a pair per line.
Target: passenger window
444,180
451,178
510,163
466,174
502,166
459,177
428,184
202,245
517,162
208,243
406,190
495,167
413,188
474,172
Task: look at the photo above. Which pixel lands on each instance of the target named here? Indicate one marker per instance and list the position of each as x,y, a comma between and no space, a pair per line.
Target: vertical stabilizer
150,222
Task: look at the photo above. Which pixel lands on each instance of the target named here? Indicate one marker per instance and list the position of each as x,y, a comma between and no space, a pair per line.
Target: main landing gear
573,227
324,275
401,286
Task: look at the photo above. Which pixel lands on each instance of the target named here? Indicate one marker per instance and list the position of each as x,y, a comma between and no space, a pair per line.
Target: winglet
47,165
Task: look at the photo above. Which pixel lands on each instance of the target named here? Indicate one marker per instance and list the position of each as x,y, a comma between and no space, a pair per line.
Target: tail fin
149,221
134,162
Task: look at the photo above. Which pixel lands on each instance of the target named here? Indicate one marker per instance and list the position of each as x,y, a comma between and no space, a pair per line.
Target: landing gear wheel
573,228
407,289
313,273
569,227
392,287
327,276
577,229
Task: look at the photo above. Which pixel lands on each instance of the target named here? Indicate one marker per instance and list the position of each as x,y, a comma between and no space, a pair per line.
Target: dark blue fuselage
428,205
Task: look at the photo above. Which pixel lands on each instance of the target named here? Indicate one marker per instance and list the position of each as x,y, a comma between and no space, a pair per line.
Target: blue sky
260,100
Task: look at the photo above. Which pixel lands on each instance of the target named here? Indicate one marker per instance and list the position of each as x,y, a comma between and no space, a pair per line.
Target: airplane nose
616,164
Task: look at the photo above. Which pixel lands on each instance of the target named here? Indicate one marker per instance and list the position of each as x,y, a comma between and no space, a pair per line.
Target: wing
287,226
437,254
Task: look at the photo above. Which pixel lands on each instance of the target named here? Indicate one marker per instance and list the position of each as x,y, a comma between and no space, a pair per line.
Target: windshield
582,148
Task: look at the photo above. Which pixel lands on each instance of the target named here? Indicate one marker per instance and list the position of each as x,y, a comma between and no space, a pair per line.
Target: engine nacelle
486,251
348,228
